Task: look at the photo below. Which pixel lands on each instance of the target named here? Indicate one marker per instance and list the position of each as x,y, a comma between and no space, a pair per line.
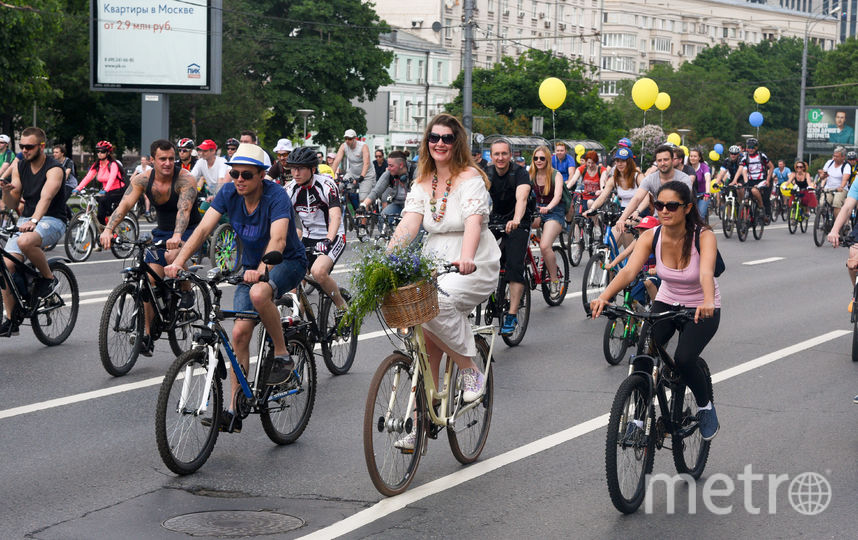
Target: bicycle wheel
80,238
614,343
562,263
792,220
287,407
467,436
805,218
727,224
629,458
758,221
56,315
121,330
181,334
743,223
128,230
575,242
183,441
338,346
386,420
523,313
226,249
690,451
776,209
596,278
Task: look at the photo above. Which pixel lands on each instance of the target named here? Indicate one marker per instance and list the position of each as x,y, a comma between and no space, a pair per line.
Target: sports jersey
731,167
312,202
757,166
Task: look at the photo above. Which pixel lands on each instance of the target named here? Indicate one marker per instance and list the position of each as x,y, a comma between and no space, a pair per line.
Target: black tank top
167,212
31,189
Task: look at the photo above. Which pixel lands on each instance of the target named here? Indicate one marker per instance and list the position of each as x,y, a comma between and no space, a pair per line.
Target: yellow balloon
714,156
674,138
684,149
579,149
662,101
762,95
644,93
552,92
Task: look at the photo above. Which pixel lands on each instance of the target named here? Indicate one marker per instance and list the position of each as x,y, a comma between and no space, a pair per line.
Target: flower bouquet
400,282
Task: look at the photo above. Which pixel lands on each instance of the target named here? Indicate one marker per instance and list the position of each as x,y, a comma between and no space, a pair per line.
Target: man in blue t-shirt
562,161
261,214
781,172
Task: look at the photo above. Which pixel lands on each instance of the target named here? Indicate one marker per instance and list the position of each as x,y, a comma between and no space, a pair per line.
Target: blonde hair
460,158
549,169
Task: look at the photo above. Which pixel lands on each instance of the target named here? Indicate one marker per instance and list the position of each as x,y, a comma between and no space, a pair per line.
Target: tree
837,67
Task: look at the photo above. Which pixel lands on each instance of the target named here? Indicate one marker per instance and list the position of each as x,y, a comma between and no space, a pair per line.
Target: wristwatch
34,221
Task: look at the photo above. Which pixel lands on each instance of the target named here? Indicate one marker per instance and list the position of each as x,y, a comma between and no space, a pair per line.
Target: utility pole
468,67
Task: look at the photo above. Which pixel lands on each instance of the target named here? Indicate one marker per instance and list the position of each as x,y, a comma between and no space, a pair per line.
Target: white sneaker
473,384
406,443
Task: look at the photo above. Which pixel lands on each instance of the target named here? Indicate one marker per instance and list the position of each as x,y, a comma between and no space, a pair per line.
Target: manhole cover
233,523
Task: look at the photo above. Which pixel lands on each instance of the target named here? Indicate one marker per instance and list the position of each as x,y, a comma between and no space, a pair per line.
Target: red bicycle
537,271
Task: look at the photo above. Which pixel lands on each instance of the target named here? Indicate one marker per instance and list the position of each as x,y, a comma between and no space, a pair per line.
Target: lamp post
305,113
802,125
682,133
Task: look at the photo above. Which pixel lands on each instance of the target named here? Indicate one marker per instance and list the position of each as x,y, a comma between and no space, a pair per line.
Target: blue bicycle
596,275
191,398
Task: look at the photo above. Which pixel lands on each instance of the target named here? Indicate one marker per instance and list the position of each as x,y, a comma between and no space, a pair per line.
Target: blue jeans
390,211
703,207
283,278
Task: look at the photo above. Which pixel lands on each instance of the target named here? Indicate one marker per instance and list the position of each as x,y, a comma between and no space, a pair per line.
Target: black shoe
8,328
147,345
45,286
228,423
281,370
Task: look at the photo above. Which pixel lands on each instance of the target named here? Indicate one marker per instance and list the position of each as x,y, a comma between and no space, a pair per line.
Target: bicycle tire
819,232
595,279
689,457
390,469
776,209
170,434
128,230
744,222
225,248
805,218
523,313
758,222
285,419
80,238
467,443
727,224
338,348
627,496
51,308
575,243
181,334
562,262
120,334
614,345
792,220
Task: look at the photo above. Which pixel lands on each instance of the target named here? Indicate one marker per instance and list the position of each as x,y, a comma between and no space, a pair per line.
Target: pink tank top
681,286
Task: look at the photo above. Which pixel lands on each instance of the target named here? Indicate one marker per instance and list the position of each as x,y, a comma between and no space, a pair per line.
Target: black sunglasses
27,146
671,206
247,175
539,158
448,138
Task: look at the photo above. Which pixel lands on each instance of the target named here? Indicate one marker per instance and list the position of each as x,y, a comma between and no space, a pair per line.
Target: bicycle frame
20,299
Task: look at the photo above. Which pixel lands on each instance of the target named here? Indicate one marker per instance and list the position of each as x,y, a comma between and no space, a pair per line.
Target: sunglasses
27,146
539,158
671,206
799,166
350,138
183,150
247,175
448,138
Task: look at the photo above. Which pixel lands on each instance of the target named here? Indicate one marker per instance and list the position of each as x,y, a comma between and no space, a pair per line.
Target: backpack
719,261
843,166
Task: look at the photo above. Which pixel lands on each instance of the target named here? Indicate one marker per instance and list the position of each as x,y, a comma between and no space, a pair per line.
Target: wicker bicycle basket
410,305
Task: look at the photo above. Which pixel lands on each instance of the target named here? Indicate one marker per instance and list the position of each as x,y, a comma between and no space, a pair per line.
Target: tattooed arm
186,187
135,189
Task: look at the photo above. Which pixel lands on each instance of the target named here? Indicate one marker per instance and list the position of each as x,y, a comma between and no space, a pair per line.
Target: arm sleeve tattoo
128,200
186,186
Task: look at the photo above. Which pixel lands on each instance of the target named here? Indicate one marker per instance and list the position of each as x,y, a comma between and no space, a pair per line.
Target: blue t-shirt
255,229
563,166
782,176
853,190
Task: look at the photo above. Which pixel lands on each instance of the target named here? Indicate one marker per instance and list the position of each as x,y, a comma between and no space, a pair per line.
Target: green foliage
839,66
376,273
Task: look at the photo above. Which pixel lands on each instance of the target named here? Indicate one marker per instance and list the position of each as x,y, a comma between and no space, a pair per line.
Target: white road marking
386,507
763,261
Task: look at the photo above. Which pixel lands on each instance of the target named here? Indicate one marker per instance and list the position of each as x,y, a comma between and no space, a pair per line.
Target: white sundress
458,294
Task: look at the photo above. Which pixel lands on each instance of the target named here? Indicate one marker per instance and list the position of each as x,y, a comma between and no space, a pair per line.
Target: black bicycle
52,316
636,428
175,306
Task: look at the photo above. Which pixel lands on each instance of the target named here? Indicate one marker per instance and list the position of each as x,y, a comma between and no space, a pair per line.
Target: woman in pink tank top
687,281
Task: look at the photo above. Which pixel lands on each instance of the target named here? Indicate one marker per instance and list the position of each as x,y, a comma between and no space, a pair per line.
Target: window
609,88
420,71
394,70
448,29
408,70
684,27
491,6
490,29
732,32
689,50
660,45
618,63
725,32
393,110
616,40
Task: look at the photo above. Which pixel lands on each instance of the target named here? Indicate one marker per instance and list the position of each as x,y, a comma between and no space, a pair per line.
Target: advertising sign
829,127
156,45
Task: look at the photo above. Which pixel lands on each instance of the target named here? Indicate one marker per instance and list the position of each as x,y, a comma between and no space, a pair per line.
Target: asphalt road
80,460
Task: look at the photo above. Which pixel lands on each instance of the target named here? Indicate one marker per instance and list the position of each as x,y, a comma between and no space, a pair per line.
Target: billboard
829,127
156,46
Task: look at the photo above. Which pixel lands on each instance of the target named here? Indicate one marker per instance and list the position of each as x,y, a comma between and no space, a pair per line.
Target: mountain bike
596,274
750,217
730,213
223,248
121,330
623,332
355,219
403,398
824,217
192,390
52,316
84,229
636,428
798,214
579,236
537,271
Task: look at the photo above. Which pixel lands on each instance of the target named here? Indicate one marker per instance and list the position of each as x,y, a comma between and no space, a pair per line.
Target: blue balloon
719,148
756,119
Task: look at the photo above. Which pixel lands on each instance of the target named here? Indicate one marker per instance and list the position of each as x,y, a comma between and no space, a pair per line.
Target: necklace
438,216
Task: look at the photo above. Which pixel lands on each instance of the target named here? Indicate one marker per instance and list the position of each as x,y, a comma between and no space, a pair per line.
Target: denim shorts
556,214
49,228
157,256
283,278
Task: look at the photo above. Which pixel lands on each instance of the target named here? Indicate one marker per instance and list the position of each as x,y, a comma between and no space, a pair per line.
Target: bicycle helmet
786,189
303,156
104,145
851,154
186,143
734,149
752,143
232,142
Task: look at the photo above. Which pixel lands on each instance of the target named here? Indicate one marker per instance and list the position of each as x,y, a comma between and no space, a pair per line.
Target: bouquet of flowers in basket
400,282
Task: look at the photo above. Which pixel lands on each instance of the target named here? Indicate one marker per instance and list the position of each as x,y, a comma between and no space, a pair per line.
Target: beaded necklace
433,201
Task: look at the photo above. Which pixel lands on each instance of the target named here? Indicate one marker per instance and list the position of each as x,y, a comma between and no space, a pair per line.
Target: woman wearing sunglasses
688,282
800,178
108,171
547,185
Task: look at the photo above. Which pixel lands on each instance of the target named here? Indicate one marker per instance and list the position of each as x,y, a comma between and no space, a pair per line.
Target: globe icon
809,493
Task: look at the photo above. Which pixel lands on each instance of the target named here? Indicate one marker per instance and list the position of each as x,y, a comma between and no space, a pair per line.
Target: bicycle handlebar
683,315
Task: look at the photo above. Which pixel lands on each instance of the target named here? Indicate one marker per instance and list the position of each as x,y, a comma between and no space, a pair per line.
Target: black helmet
303,156
851,155
752,143
232,142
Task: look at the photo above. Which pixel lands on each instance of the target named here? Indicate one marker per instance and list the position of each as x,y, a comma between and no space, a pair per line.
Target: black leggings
108,203
693,338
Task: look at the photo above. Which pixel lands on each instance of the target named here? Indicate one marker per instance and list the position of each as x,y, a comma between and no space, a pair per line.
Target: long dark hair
693,221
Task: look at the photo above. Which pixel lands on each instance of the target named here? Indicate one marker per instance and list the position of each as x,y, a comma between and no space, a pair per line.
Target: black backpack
719,261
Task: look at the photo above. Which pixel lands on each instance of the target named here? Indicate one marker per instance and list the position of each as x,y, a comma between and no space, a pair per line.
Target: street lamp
802,126
305,113
682,133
